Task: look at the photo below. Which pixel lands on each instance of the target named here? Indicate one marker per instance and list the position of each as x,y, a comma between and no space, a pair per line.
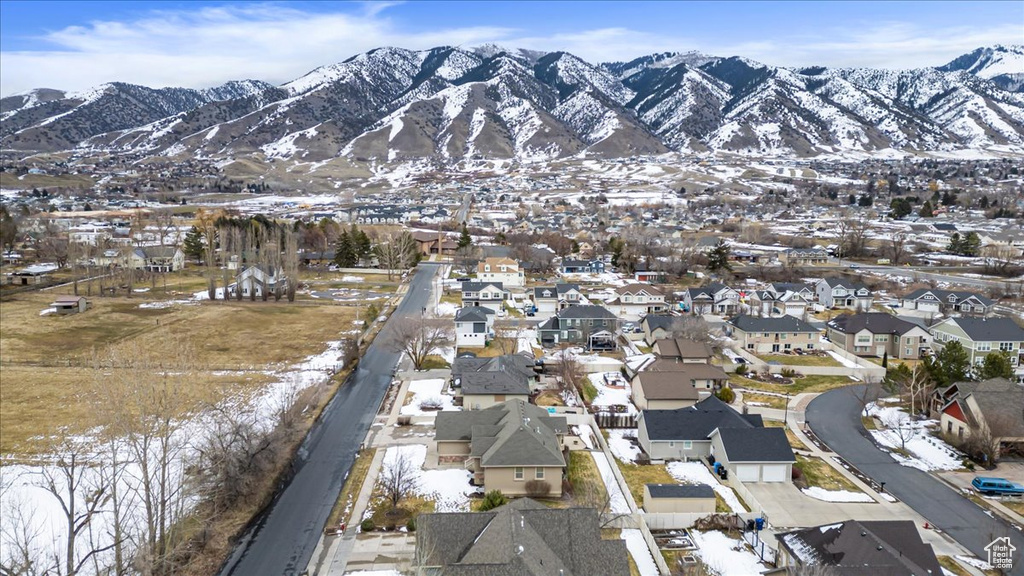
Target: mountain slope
1003,65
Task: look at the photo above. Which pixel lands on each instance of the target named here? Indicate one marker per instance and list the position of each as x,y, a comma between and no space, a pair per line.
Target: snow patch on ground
621,446
927,452
427,390
697,473
725,556
612,390
449,489
447,309
641,554
844,361
972,561
618,502
819,493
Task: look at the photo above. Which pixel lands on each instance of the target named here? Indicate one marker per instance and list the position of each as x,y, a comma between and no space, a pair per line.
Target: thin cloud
277,43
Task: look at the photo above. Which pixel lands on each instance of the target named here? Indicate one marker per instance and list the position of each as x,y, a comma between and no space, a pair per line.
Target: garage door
928,306
773,473
747,472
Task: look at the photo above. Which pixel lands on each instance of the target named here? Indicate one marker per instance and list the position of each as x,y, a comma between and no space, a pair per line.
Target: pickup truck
997,486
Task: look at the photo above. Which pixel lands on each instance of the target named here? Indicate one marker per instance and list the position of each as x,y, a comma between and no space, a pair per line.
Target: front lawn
637,475
802,384
805,360
765,400
819,473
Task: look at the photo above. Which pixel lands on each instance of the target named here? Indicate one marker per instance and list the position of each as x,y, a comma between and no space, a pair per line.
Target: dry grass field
45,360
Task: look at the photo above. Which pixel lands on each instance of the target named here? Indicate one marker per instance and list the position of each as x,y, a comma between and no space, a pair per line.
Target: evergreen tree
616,247
718,258
885,359
865,201
971,245
852,199
984,202
361,244
949,365
194,244
956,244
345,255
900,207
926,210
465,240
997,365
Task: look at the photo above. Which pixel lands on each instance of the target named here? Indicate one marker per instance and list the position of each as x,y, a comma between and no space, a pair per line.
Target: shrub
537,488
742,369
726,395
787,372
367,526
492,500
411,525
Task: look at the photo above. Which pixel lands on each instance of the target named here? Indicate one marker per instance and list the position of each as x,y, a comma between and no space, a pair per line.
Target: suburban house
805,291
948,302
523,537
551,299
842,293
772,335
65,305
878,334
995,406
635,300
433,243
474,326
683,350
980,336
506,446
505,271
715,298
487,294
157,258
595,266
679,498
684,433
583,325
483,382
657,327
804,256
856,548
677,388
643,274
254,281
771,303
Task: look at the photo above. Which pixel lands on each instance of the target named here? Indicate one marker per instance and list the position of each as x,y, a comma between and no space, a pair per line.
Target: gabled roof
993,329
493,383
688,370
655,321
756,444
522,538
943,295
156,251
708,291
473,314
638,288
680,491
783,287
874,322
586,311
695,422
518,364
666,386
1000,402
843,282
478,286
682,348
748,323
863,548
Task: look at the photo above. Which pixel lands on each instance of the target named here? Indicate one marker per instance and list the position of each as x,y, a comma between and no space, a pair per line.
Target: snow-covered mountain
451,104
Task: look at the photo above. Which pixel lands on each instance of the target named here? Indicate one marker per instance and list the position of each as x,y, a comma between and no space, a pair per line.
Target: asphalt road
281,542
835,419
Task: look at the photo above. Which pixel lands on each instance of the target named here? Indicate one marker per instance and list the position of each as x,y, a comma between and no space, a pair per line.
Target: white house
715,298
636,300
253,281
157,258
503,270
474,326
487,294
551,299
769,303
841,293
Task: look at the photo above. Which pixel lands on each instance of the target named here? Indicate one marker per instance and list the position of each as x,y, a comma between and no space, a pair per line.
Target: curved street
282,541
835,418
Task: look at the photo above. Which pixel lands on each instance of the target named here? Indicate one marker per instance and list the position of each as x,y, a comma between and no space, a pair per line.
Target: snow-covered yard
926,452
427,392
612,390
725,556
697,473
449,489
447,309
619,442
641,554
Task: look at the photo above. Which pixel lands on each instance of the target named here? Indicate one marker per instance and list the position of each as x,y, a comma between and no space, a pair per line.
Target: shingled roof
522,538
695,422
874,322
756,444
513,433
749,323
863,548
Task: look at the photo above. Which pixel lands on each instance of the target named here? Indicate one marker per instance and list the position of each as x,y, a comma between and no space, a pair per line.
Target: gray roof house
878,334
506,446
488,294
859,548
982,336
521,538
685,433
483,382
754,454
995,405
760,335
584,325
474,326
948,301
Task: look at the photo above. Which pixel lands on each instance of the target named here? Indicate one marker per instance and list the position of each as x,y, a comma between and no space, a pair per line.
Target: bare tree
866,396
419,337
399,476
897,247
692,328
290,264
569,371
23,551
899,423
396,250
80,494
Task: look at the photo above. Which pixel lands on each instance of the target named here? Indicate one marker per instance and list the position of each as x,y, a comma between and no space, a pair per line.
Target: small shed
31,275
679,498
65,305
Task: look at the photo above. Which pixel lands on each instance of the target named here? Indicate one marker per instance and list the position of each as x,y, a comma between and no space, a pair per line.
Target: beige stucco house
878,334
759,335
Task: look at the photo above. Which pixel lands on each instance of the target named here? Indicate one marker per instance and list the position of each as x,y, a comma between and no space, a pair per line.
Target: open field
46,359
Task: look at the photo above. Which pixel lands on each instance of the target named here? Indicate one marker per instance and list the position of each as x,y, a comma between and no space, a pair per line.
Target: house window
540,474
949,426
518,473
983,346
810,346
882,338
788,346
687,444
1006,346
750,346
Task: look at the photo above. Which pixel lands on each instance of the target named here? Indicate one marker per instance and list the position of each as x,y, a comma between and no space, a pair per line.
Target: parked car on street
996,486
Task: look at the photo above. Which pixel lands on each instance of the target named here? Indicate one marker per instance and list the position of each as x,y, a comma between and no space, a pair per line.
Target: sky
75,45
